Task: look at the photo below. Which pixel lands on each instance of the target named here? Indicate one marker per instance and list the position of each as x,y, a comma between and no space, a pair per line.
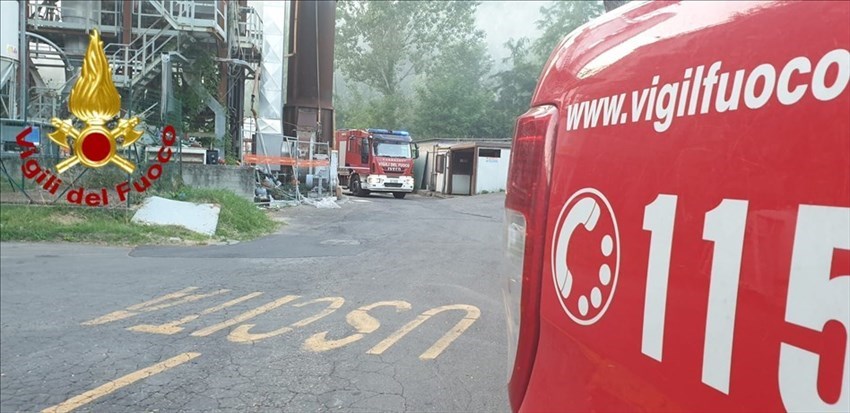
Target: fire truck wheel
354,186
399,195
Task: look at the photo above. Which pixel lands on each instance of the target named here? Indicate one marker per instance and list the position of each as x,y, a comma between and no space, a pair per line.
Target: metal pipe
294,31
59,50
23,60
318,133
238,62
126,21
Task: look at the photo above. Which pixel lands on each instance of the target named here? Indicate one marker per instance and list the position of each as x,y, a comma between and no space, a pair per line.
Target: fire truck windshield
392,149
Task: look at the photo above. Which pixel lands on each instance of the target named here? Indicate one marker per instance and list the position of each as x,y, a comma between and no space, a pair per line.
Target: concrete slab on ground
200,218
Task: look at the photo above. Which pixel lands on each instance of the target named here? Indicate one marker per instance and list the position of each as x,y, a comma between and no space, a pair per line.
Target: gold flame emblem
95,101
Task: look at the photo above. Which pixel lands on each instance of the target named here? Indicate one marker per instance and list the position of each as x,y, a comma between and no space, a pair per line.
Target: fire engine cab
678,213
376,160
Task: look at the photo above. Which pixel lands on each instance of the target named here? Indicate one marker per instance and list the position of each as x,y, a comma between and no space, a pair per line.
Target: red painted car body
679,212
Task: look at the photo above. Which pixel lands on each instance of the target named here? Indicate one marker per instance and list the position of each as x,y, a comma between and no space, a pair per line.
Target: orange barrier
280,160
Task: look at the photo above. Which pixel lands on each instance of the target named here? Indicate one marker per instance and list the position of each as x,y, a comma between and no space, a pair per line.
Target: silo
9,60
9,40
309,91
86,14
269,140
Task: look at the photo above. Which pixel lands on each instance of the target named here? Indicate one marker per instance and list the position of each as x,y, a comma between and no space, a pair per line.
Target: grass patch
239,219
78,224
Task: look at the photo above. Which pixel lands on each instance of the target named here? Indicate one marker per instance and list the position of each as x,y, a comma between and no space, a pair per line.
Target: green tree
381,44
516,84
455,100
359,109
559,19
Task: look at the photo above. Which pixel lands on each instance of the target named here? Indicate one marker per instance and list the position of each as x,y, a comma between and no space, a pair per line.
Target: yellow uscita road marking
117,384
179,297
242,333
360,319
173,327
245,316
362,322
472,314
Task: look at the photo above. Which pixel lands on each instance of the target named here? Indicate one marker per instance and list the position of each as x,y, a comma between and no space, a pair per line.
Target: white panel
9,29
492,173
200,218
460,184
439,185
272,85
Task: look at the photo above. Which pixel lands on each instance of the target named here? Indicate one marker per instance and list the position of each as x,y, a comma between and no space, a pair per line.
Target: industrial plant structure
271,64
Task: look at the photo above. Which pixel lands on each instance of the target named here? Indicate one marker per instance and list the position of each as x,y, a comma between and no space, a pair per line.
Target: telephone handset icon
585,295
586,213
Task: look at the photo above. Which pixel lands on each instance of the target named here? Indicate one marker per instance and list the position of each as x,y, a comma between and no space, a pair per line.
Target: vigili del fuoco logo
95,102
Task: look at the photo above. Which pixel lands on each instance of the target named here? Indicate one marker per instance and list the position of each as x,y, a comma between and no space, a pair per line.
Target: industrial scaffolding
139,38
271,102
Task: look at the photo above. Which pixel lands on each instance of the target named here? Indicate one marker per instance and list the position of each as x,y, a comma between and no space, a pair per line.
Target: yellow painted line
117,384
166,297
173,327
447,339
336,303
118,315
184,300
472,314
245,316
179,297
362,322
242,334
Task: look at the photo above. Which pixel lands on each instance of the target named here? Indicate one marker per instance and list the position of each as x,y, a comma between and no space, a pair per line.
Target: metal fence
34,180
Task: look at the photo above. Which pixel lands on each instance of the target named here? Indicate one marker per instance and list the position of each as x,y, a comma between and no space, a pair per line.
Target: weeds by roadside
239,219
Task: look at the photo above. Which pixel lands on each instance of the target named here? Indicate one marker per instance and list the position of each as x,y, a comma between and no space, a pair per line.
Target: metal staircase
49,102
160,27
198,15
138,63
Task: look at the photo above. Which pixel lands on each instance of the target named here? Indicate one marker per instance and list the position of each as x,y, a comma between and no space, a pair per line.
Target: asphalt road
382,305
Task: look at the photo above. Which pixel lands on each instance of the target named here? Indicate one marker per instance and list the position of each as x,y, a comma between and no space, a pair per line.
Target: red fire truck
678,213
376,160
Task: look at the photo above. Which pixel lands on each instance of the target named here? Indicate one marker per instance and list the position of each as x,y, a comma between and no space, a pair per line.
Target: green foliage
380,44
561,18
82,224
238,219
515,85
455,100
196,116
527,58
355,111
360,111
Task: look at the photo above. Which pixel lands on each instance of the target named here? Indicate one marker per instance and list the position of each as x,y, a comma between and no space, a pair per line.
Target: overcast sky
505,20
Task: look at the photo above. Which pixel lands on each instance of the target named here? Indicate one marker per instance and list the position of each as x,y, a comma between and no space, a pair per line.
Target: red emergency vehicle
376,160
678,213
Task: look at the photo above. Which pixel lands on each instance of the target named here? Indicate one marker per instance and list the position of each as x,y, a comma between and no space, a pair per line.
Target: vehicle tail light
529,180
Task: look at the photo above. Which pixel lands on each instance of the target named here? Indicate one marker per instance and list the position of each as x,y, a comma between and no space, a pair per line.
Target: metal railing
133,62
250,31
44,103
197,14
48,102
107,18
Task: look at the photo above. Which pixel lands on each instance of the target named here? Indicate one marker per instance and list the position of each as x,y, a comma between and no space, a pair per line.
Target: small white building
465,168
